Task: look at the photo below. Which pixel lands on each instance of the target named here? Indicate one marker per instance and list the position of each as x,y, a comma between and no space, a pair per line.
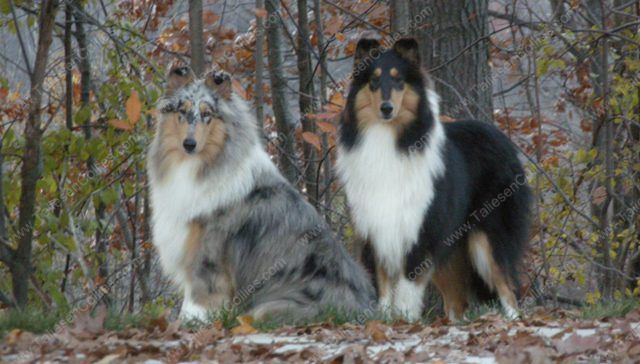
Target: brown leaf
375,329
312,139
327,127
577,344
134,108
245,327
340,37
86,326
446,119
599,195
120,124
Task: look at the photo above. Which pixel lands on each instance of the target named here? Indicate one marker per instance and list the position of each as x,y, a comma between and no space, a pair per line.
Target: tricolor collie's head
201,121
388,87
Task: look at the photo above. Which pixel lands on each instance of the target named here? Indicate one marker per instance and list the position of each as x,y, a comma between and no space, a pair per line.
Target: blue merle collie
229,229
446,203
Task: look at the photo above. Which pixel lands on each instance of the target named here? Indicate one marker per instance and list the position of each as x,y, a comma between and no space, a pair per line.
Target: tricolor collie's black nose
386,108
189,145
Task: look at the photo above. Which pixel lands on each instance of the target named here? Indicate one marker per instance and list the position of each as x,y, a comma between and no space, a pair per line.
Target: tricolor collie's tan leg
452,280
482,259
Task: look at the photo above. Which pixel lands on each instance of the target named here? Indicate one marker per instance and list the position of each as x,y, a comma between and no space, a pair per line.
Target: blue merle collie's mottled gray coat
230,230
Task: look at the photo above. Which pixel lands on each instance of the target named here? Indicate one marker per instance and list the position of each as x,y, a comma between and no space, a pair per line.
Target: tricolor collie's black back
447,203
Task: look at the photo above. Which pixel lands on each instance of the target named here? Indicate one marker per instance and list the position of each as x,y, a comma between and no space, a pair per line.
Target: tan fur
210,139
393,72
383,281
377,72
175,80
495,278
453,281
192,245
367,106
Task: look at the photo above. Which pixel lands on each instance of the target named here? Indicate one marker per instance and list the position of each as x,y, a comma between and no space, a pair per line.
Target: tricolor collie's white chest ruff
180,197
390,192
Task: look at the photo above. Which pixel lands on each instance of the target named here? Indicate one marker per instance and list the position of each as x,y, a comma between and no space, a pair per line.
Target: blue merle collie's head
201,120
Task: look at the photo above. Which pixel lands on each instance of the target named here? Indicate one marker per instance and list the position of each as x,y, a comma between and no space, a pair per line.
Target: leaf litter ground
545,336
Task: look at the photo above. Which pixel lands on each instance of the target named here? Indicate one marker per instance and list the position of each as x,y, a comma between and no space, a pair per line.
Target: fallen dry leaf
376,330
245,327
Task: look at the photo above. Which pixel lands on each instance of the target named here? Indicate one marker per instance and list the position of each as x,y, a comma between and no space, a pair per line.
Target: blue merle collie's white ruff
417,189
230,231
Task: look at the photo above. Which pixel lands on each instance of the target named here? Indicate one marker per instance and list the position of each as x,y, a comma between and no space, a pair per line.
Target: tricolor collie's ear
366,51
407,48
178,77
220,82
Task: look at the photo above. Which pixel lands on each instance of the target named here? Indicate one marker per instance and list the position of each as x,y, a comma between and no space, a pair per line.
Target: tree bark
85,99
284,120
455,47
327,167
259,56
32,165
196,31
399,10
305,99
68,65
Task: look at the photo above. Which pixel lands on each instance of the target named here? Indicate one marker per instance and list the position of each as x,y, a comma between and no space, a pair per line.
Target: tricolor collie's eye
375,82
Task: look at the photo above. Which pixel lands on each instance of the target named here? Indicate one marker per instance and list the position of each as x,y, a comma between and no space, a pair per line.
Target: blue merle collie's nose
189,145
386,108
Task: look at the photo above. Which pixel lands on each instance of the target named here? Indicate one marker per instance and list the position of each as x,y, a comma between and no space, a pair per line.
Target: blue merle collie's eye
206,116
168,108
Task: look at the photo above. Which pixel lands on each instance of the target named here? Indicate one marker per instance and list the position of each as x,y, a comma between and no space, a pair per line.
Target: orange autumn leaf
336,102
120,124
237,87
340,37
312,139
134,107
245,327
327,127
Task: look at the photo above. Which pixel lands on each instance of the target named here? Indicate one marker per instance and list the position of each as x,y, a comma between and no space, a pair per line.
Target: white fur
390,192
191,310
408,298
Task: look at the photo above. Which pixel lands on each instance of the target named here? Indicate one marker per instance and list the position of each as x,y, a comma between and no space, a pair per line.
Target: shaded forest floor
543,336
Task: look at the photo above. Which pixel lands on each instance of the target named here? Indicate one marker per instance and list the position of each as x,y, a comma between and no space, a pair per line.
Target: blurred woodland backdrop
80,79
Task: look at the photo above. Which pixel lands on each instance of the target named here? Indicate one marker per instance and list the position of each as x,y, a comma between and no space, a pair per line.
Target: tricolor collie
437,202
230,230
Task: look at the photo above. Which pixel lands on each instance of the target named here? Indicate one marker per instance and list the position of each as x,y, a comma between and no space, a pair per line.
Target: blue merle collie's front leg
208,287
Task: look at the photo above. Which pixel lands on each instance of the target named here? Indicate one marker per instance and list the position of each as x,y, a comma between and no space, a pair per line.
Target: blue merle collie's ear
220,83
178,77
367,50
407,48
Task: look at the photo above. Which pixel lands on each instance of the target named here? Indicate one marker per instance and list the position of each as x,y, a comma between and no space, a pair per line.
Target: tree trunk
399,10
305,99
259,55
32,165
284,120
196,31
85,99
455,48
68,66
327,167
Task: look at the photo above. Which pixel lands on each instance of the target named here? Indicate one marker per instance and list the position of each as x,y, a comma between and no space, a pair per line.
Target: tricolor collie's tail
447,203
230,230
